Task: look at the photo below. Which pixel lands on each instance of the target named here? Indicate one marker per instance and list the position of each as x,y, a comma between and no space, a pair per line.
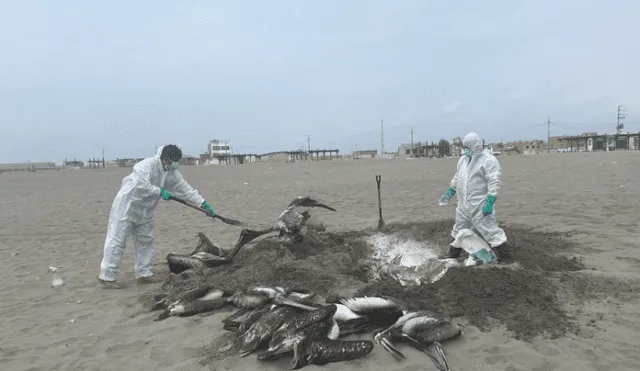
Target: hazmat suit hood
159,152
473,142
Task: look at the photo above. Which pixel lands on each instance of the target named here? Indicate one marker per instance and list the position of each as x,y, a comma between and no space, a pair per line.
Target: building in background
219,148
367,153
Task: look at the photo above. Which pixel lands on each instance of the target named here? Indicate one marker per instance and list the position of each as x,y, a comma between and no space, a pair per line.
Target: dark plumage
299,322
290,223
367,313
262,329
424,331
205,255
282,342
321,352
190,308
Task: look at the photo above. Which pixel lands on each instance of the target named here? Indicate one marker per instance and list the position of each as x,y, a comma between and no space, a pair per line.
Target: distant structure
74,163
128,162
220,152
365,154
456,146
592,141
27,166
219,148
423,149
189,160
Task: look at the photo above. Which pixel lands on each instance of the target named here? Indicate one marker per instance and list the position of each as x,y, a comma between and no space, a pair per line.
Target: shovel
380,220
223,219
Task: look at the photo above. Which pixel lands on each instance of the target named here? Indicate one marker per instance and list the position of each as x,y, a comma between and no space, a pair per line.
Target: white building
219,148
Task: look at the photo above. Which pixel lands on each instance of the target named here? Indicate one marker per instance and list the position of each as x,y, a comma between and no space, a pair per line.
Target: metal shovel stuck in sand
380,220
223,219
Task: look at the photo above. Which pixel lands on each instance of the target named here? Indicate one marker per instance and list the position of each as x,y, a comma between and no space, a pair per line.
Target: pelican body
290,326
262,329
200,299
326,329
205,255
424,331
321,352
290,224
366,313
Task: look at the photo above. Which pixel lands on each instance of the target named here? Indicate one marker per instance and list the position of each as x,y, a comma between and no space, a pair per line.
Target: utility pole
548,134
382,138
309,146
411,127
620,125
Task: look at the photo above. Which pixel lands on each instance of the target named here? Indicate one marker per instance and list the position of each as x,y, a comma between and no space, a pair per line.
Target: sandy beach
585,201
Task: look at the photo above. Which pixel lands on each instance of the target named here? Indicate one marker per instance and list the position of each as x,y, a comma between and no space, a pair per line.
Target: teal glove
207,207
444,200
165,194
487,209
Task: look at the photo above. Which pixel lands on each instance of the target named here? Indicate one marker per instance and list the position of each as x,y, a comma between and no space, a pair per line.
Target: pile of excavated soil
522,300
519,296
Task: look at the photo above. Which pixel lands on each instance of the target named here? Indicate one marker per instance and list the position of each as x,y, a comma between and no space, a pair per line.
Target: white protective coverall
475,178
133,210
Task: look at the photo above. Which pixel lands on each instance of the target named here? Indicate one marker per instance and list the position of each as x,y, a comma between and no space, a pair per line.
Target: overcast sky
79,75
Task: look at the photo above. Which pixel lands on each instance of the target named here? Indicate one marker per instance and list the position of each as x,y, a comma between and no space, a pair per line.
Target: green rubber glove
207,207
444,200
165,194
487,209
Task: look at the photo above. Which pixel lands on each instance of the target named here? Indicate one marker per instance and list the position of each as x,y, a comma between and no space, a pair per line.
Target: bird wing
308,202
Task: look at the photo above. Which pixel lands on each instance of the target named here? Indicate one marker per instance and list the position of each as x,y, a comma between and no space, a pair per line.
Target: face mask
172,167
467,152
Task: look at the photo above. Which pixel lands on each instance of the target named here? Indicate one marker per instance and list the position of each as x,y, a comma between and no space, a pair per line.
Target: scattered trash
14,254
57,280
245,183
73,320
79,301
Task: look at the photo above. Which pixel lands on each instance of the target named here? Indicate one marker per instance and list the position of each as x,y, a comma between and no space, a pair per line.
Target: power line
411,127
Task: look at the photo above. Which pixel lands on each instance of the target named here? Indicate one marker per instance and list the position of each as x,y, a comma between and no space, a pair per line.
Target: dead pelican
326,329
321,352
207,246
198,300
190,308
259,296
424,331
290,223
241,326
180,263
197,291
206,254
262,329
367,313
292,325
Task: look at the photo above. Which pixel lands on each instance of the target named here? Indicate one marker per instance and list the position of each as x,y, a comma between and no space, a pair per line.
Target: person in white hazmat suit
476,184
133,210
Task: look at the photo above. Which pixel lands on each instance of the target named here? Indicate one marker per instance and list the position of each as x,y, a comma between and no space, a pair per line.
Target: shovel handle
223,219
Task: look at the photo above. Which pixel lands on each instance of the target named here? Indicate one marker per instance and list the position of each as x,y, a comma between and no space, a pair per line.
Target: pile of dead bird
275,322
290,226
279,321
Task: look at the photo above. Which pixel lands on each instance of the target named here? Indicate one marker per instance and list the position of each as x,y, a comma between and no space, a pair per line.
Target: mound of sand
521,296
